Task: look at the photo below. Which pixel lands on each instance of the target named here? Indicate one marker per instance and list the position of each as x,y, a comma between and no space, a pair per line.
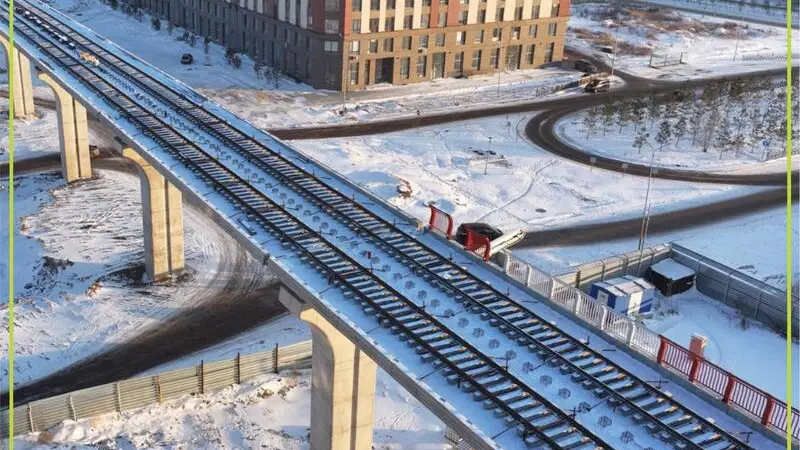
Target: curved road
236,299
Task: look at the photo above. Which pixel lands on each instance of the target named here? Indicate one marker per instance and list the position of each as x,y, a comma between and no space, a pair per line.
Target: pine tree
155,22
638,113
608,116
590,121
664,134
114,4
710,127
624,114
640,140
654,108
723,139
680,129
170,27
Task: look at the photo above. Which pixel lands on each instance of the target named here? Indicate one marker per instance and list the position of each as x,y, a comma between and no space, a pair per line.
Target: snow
76,257
747,10
707,46
742,346
525,187
754,244
672,269
269,411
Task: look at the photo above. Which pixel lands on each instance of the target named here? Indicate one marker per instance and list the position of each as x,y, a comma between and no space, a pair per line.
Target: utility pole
616,39
646,205
486,166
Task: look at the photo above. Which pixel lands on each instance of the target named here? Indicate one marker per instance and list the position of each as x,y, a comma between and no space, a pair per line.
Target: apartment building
354,43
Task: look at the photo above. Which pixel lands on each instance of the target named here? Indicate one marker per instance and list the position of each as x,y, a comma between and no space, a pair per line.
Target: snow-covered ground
79,255
708,44
746,10
270,411
524,186
742,346
754,244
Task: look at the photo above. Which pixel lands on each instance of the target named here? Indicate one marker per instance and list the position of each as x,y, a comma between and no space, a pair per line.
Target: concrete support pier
23,84
73,133
162,217
342,385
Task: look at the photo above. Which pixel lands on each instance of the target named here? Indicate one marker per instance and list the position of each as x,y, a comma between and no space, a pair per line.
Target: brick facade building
361,42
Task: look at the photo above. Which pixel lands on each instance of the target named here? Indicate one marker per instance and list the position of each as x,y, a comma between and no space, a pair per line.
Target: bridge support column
162,217
73,133
23,84
342,385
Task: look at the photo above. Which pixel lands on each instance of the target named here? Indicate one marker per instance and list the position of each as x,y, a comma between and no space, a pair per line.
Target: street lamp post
486,165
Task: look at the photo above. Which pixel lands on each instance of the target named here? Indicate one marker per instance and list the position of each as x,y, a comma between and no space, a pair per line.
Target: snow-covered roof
672,269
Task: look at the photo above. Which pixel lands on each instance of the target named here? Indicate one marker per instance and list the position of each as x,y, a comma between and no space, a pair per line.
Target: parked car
187,58
480,228
585,66
598,85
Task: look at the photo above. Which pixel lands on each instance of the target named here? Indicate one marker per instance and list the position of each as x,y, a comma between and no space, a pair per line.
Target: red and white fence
727,387
441,221
479,244
771,412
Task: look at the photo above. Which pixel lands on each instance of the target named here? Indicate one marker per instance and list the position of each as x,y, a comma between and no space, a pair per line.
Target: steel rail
279,229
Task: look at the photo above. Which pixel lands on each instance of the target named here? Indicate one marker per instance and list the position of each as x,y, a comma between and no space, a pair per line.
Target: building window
425,22
515,33
555,9
390,4
551,29
308,43
440,40
478,39
530,52
423,41
373,46
332,5
458,63
406,42
442,19
482,16
355,46
548,52
331,46
533,31
476,60
296,39
330,74
461,37
426,3
443,2
497,34
331,26
421,63
353,73
462,19
408,22
495,58
388,24
535,12
500,13
356,5
373,25
356,28
405,64
518,13
388,44
375,5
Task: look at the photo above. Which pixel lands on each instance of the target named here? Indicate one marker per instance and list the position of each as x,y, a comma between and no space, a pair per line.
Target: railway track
540,423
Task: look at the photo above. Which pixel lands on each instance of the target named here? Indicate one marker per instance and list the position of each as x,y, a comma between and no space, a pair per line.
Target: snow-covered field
270,411
708,44
754,244
524,186
79,255
742,346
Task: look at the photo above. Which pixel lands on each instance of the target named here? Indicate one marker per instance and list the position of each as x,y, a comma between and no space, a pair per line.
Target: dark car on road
480,228
585,66
187,58
598,85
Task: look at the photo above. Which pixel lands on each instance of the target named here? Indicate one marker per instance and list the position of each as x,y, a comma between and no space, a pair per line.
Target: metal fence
634,263
657,61
752,297
135,393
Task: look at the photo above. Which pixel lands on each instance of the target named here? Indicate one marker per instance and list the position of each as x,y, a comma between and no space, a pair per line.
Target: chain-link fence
752,297
138,392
